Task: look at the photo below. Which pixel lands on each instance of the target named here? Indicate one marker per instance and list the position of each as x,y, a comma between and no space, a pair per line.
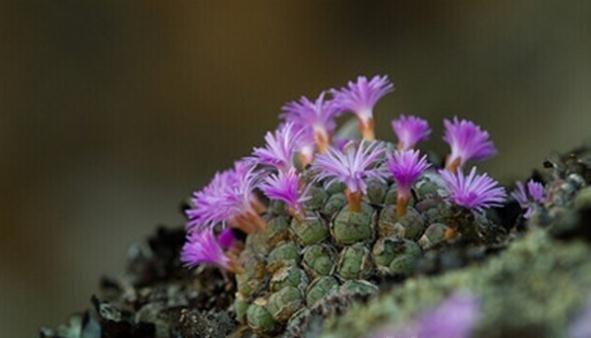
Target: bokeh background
112,112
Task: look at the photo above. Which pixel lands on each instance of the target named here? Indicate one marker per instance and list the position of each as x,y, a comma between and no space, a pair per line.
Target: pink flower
228,198
580,326
360,97
410,130
226,238
280,147
203,247
474,191
455,317
285,187
467,142
528,199
406,167
353,166
316,119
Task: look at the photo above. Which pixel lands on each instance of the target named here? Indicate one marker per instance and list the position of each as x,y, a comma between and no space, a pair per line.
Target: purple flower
467,142
202,247
226,238
280,147
473,191
456,317
204,212
352,167
410,130
316,119
285,187
527,199
228,198
360,98
581,326
406,166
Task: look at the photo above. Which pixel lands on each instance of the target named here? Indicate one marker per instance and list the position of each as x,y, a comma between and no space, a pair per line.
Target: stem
296,213
240,222
259,223
400,146
322,140
304,159
249,222
450,233
354,200
366,127
234,266
401,205
257,205
453,166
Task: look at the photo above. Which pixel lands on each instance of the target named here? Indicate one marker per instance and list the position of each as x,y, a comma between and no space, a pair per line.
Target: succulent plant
322,218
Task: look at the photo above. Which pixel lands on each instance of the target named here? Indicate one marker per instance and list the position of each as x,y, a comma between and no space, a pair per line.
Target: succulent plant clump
322,216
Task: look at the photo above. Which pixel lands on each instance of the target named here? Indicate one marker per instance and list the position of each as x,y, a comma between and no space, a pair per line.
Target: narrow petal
467,142
474,191
410,130
203,248
361,96
353,166
406,167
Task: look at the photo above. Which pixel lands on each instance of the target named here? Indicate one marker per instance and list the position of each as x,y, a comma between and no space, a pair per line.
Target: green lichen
530,290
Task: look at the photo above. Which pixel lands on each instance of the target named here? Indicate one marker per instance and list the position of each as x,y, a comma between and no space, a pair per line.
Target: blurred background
112,113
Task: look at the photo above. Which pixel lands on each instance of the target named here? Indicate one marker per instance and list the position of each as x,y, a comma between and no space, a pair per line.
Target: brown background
111,113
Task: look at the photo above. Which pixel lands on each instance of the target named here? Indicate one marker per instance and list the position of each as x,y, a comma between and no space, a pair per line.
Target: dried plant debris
319,233
156,297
